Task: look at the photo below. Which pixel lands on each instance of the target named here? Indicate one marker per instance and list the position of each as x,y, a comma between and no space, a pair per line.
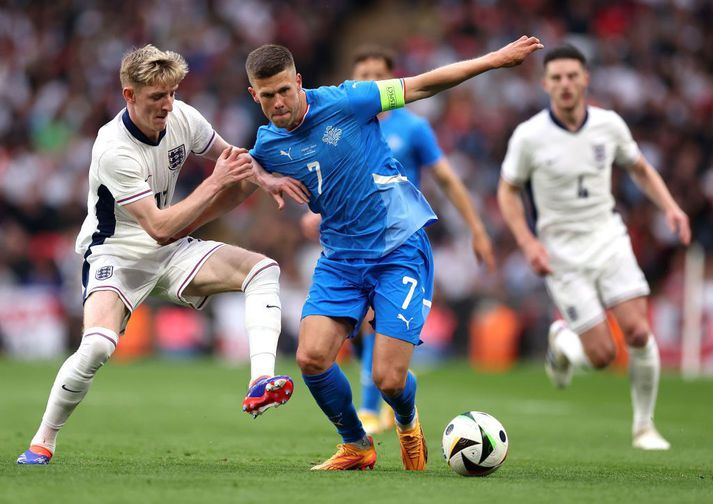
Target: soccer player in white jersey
135,243
582,246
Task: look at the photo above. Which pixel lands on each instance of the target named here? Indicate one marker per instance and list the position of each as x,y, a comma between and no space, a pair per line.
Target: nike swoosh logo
272,306
70,390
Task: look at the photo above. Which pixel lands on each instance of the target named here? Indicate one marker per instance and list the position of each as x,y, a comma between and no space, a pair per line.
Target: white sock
263,316
644,370
73,381
567,342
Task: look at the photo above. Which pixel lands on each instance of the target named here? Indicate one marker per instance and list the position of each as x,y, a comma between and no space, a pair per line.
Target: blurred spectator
652,61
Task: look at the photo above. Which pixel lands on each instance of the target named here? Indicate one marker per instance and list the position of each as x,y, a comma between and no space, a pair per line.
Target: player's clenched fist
233,166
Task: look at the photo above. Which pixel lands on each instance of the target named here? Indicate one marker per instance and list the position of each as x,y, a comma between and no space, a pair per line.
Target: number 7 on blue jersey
314,166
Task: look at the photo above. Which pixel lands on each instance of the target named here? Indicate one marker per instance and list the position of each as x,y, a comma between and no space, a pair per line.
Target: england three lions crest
600,155
104,272
176,157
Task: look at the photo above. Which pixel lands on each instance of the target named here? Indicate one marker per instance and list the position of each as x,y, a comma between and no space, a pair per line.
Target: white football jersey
127,166
570,177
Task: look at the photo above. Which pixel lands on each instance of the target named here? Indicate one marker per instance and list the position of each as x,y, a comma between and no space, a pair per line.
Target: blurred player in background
413,143
135,242
375,250
582,246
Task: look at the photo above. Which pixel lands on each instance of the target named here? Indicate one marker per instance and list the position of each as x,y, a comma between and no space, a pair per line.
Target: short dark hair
268,60
366,52
566,51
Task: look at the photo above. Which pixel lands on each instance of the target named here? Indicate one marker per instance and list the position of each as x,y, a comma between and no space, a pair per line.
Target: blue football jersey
368,206
412,141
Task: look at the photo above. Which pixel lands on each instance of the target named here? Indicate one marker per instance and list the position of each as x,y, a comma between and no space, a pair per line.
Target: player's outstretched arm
649,181
455,191
445,77
510,202
163,224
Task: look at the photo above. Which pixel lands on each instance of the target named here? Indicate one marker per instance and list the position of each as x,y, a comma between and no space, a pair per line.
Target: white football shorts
164,272
583,294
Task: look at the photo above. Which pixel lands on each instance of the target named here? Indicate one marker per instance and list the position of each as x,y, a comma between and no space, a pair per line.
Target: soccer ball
474,444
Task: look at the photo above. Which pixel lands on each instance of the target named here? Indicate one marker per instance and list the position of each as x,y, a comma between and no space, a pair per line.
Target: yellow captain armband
392,94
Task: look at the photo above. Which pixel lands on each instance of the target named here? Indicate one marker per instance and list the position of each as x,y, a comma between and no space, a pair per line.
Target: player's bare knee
391,389
602,355
637,334
312,362
390,383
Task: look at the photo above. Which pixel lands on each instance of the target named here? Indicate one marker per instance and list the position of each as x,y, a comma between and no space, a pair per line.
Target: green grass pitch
165,432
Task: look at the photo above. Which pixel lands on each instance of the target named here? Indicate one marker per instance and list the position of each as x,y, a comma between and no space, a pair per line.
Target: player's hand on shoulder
515,52
537,257
233,166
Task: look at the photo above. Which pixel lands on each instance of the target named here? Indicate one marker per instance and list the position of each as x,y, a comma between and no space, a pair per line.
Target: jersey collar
137,133
563,126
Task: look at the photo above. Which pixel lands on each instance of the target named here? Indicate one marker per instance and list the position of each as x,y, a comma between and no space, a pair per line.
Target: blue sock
370,394
404,404
333,394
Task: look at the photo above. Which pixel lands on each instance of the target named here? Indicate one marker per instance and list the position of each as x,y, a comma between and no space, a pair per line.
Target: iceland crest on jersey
176,157
332,135
104,272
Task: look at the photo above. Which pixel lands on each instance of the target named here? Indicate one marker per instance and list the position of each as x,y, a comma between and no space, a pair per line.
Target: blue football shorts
398,286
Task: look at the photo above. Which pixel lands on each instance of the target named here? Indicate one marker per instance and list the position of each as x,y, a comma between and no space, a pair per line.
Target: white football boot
649,438
557,366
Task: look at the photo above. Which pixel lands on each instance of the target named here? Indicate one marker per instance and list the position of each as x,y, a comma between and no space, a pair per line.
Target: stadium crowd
651,60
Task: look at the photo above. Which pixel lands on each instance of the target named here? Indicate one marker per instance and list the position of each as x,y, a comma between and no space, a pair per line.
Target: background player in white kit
582,246
135,244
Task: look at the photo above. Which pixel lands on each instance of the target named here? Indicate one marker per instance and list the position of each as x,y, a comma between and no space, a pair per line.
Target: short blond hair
150,66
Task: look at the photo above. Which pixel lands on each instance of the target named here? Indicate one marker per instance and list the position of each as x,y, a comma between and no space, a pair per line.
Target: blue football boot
35,455
267,392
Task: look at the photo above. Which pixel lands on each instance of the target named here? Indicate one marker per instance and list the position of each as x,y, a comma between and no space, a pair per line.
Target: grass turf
169,432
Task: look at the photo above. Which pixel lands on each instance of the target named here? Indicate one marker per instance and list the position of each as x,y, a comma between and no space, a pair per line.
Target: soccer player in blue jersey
375,251
413,143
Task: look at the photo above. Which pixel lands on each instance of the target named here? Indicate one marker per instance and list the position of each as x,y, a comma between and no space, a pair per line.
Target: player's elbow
163,237
162,234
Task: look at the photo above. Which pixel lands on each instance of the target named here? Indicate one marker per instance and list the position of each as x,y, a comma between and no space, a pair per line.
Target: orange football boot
349,457
414,452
